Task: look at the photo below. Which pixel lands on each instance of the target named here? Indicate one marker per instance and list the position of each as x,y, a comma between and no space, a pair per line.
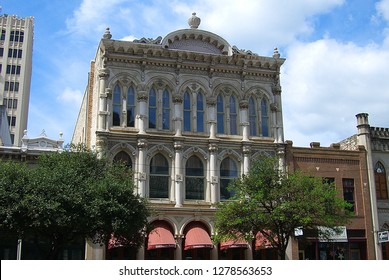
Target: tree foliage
71,195
274,204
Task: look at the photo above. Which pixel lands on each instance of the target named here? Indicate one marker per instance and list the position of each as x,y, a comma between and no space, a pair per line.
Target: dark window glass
116,106
159,177
200,112
228,171
187,112
220,114
252,117
233,116
123,157
152,109
348,193
194,180
264,118
131,107
2,35
165,109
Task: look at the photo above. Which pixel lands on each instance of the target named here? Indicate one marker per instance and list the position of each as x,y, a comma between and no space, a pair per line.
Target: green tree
68,196
274,204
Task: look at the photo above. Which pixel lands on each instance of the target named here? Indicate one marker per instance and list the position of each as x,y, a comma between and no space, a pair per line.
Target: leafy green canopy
70,195
274,204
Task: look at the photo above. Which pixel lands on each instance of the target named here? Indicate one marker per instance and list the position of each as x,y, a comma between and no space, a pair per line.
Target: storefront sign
330,235
383,236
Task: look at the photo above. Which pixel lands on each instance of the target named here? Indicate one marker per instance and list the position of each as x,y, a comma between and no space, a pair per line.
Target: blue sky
337,54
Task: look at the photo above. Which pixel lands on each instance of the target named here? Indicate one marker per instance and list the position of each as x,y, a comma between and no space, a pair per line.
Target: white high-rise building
16,41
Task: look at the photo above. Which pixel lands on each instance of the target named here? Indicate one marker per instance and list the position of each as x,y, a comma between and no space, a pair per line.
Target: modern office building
188,112
16,42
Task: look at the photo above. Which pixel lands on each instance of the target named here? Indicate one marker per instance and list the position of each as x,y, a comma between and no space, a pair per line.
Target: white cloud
383,9
326,83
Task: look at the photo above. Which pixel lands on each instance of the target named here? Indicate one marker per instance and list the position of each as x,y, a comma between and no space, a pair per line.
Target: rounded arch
124,80
166,220
122,147
161,82
207,224
258,93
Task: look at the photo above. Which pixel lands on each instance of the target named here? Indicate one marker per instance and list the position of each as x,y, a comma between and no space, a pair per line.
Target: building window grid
194,179
15,53
159,177
131,107
13,69
16,36
380,181
11,86
228,171
116,106
349,192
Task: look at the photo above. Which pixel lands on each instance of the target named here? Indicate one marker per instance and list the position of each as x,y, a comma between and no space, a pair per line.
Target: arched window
187,112
116,106
165,109
228,171
123,157
194,179
380,181
152,108
159,177
220,114
200,112
131,107
233,116
252,117
264,118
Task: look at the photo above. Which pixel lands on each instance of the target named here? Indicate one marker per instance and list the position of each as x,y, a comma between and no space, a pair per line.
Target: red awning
161,237
197,237
261,242
231,244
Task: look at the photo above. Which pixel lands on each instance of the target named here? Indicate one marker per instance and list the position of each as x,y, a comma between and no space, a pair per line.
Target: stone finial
107,34
194,21
276,54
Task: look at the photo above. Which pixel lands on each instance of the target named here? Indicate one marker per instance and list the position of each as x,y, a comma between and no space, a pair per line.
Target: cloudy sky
337,54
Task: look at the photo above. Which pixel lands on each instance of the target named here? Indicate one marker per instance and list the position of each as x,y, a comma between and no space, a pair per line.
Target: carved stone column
246,158
277,110
179,177
214,179
102,116
142,175
177,101
211,107
244,106
142,105
178,251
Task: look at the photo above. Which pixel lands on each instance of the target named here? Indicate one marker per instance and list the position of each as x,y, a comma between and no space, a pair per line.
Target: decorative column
103,94
177,101
178,251
211,108
178,173
142,105
244,106
276,108
214,179
246,158
142,175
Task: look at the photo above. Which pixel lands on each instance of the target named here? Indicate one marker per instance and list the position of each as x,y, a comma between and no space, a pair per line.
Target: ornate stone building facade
188,113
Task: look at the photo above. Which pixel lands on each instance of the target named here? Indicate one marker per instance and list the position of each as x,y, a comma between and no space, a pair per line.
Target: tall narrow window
233,116
152,109
200,112
116,105
2,38
194,179
348,193
228,171
220,114
159,177
264,118
187,112
131,107
380,181
165,109
252,117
